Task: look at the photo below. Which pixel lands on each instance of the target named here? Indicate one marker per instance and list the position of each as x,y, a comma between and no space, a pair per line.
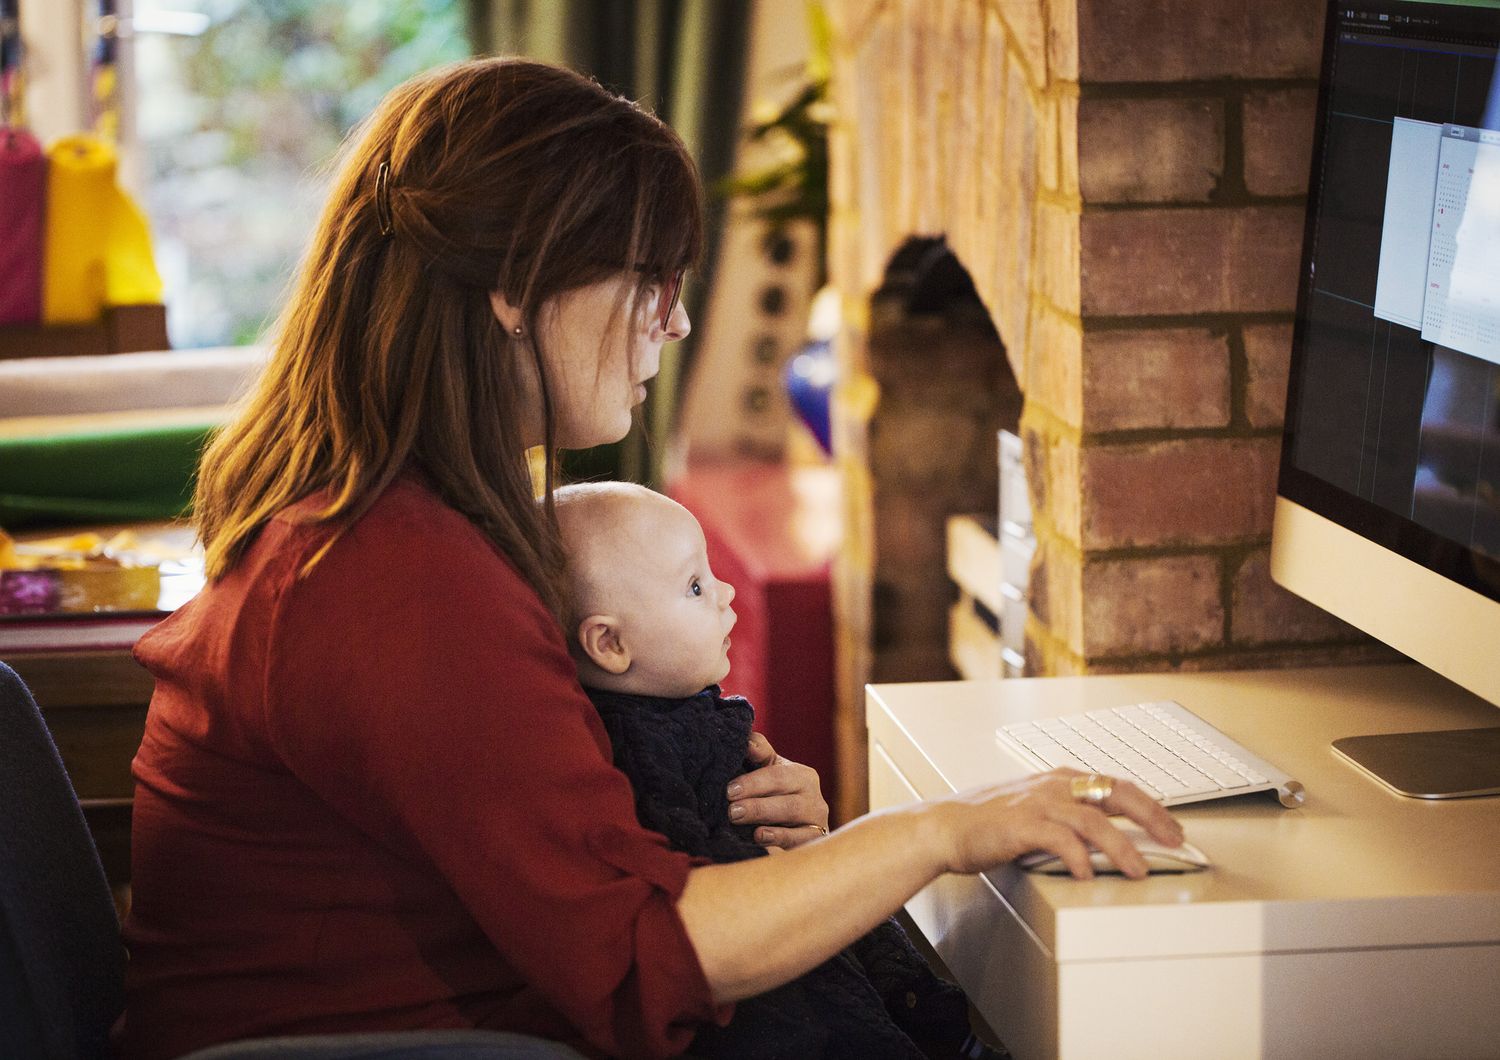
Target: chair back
62,963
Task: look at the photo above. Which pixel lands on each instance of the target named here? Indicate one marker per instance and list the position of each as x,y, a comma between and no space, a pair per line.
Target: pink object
27,592
23,209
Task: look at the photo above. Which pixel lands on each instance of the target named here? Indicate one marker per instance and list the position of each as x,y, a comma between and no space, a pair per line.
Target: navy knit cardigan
876,999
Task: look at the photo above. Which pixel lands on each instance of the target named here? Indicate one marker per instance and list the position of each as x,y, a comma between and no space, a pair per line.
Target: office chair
62,964
62,983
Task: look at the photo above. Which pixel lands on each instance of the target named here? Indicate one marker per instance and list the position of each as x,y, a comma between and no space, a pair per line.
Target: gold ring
821,829
1092,789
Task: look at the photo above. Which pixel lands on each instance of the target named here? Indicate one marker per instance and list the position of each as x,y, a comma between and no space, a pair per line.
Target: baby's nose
726,593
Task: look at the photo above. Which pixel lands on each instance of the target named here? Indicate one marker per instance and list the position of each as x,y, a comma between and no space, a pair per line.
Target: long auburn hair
504,174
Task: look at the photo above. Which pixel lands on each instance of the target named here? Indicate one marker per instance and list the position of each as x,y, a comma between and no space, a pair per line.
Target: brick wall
1124,182
1194,131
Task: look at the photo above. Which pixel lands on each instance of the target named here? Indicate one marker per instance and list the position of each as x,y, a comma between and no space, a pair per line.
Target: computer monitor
1388,506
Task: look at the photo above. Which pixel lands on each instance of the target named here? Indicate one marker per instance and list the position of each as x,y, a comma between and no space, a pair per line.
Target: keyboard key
1196,787
1155,779
1056,756
1044,748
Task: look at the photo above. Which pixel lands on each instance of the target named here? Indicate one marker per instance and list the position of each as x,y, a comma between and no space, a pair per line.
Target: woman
371,794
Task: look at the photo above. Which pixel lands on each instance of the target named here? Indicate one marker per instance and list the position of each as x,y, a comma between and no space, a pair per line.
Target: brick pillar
949,122
1124,183
1193,129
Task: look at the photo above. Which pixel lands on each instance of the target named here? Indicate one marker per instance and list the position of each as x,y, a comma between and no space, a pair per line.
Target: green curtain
683,59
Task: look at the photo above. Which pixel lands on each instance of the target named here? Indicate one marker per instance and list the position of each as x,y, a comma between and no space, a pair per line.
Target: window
237,125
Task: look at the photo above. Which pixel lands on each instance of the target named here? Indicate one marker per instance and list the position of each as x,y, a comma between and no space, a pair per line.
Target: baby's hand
783,797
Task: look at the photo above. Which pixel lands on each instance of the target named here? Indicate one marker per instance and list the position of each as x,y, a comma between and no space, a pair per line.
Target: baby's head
647,615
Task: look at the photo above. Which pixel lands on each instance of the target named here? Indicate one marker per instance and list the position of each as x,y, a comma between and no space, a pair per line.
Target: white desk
1363,924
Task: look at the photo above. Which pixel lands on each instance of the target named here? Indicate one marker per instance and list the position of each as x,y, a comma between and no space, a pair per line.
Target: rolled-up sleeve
441,714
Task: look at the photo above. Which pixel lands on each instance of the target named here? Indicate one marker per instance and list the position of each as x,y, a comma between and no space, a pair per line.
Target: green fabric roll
100,476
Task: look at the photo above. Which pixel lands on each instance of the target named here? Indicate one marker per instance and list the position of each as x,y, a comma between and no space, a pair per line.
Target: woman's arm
759,923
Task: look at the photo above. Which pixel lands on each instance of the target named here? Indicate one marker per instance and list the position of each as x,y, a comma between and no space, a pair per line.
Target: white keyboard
1171,753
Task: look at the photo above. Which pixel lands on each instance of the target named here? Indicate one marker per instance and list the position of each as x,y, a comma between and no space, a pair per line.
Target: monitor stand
1451,764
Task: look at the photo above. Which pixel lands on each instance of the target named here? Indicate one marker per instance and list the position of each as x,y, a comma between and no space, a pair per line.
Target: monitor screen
1394,403
1392,442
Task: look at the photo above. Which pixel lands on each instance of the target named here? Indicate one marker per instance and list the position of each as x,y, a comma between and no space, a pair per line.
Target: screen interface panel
1394,410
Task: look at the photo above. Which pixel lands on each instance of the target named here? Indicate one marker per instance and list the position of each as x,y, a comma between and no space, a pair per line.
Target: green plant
793,185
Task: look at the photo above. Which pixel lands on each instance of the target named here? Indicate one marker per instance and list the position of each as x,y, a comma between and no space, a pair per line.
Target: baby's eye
696,587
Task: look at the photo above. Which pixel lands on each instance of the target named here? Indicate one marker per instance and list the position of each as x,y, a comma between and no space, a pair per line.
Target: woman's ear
508,315
599,637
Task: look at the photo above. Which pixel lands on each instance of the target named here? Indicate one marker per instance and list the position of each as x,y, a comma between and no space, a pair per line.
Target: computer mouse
1159,858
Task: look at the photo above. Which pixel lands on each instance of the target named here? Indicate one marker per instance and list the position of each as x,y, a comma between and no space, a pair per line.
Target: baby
649,630
651,617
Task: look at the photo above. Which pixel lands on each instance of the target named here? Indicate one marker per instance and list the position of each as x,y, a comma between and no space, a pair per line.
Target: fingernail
735,789
736,812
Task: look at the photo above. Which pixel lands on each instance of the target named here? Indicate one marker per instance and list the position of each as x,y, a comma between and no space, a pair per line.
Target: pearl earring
516,330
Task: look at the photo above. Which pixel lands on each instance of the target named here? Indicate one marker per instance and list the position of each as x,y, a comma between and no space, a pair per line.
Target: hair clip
383,199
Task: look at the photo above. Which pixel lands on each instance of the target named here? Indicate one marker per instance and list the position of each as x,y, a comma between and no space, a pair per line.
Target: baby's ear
599,637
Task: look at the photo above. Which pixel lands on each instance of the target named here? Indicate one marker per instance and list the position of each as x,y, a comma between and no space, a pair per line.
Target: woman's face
598,358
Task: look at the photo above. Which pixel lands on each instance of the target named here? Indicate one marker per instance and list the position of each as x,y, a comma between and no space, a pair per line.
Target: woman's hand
986,826
783,797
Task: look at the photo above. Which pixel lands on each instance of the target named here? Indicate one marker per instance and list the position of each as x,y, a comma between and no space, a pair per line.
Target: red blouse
375,798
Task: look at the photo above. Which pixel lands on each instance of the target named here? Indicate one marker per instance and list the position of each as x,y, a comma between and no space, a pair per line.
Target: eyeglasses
671,291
